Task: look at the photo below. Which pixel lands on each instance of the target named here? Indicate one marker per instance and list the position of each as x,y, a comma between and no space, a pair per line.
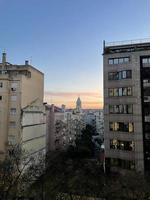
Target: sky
64,39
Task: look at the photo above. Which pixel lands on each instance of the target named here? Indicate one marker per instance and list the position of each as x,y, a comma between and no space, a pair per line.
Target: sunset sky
64,38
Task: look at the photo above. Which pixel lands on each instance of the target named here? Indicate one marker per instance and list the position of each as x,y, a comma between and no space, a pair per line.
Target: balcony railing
127,42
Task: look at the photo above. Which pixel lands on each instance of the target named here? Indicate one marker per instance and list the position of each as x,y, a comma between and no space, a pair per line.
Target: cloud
89,99
72,94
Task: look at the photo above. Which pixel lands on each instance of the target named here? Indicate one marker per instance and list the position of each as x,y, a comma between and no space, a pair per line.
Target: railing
127,42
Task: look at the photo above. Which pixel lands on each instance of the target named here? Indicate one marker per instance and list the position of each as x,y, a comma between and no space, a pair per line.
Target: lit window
130,127
122,145
121,126
116,126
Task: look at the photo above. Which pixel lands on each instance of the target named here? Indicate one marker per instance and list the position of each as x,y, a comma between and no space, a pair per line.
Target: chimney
4,58
26,62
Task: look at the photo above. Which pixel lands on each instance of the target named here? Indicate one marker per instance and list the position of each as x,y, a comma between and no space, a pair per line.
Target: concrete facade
133,52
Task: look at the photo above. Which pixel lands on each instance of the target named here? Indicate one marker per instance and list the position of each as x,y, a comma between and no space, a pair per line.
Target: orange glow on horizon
90,100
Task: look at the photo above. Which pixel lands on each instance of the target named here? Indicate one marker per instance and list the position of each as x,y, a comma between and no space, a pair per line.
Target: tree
17,172
84,146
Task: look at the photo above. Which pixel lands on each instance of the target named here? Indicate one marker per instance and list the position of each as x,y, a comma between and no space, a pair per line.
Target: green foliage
84,146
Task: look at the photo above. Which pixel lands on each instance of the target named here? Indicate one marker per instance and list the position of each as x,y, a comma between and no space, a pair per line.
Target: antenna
30,60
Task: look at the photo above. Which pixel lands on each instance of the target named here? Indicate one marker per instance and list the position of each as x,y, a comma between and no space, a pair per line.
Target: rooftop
126,46
127,42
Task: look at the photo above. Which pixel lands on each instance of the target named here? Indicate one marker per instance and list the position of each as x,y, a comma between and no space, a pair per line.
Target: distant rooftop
127,42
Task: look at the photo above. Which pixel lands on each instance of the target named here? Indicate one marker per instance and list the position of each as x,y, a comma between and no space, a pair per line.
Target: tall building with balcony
127,105
20,85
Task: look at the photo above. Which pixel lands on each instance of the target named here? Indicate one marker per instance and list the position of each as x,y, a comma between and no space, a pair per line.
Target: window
147,136
13,111
146,60
13,98
0,98
126,60
129,109
110,76
11,140
125,74
125,164
125,91
120,60
12,124
110,61
115,61
111,92
122,145
121,126
116,90
121,109
129,91
13,86
116,108
1,84
120,75
111,109
120,92
131,127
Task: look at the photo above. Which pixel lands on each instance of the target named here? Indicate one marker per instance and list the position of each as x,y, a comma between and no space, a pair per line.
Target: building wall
32,87
34,128
21,84
4,113
137,136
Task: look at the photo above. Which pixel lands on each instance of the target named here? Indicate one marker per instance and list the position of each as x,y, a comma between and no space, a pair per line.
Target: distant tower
78,105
